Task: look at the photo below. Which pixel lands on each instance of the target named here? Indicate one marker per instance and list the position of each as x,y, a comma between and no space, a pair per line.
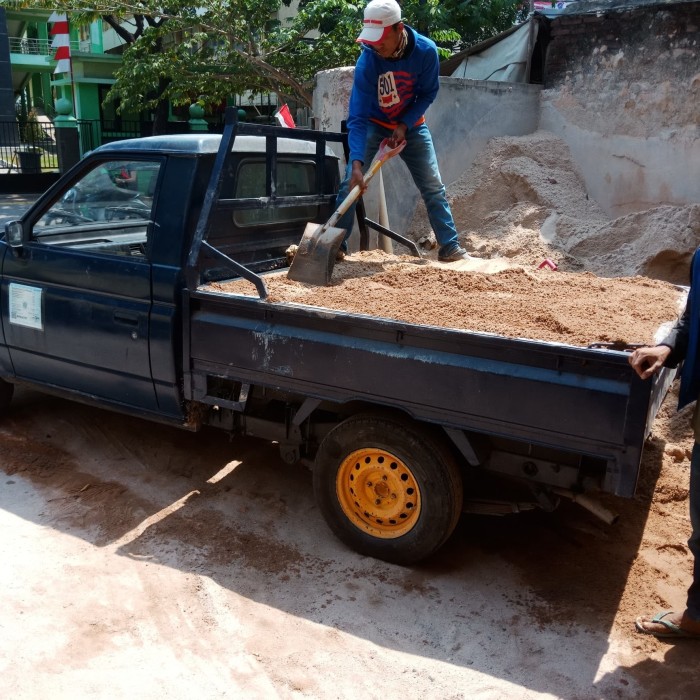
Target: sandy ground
140,561
143,562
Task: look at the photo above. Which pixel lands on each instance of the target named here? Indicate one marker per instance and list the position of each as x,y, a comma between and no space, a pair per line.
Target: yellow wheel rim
378,493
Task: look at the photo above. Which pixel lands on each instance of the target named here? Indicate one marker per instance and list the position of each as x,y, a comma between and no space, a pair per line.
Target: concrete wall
465,115
623,90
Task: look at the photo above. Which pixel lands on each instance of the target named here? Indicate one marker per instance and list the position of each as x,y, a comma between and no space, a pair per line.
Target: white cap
379,16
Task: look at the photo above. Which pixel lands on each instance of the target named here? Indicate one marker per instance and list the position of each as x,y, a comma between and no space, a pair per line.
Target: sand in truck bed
522,202
575,308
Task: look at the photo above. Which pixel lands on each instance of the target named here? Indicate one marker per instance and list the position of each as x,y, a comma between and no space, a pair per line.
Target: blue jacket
389,91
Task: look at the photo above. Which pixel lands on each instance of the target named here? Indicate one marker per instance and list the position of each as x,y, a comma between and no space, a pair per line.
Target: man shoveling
396,80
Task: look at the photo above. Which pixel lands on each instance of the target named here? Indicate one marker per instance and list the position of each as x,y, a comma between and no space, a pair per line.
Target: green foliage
320,37
213,49
457,24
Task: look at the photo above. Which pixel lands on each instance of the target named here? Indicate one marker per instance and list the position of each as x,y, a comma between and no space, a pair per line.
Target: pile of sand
524,200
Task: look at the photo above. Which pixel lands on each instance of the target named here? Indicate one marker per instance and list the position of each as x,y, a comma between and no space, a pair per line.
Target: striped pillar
61,42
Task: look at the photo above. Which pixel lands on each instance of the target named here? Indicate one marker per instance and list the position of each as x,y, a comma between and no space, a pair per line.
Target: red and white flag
284,117
61,42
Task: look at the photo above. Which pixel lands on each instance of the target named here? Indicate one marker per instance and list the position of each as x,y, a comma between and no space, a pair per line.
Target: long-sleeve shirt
684,341
678,338
392,91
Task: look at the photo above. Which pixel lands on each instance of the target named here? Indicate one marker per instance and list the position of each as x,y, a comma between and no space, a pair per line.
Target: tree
457,24
157,91
180,52
213,49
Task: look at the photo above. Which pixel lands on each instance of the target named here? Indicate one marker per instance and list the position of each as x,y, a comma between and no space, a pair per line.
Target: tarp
507,61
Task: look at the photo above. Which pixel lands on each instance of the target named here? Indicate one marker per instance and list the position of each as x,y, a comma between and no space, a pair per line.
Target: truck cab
92,274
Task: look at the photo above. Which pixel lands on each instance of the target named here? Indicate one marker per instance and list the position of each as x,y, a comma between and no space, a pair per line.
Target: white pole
383,242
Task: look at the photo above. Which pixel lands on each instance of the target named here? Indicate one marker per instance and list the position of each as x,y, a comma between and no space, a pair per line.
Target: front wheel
387,487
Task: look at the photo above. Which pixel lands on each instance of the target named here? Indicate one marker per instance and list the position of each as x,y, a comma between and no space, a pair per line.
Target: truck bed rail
233,128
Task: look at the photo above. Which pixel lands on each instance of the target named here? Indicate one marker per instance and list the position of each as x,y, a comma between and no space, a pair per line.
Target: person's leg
419,156
687,623
375,135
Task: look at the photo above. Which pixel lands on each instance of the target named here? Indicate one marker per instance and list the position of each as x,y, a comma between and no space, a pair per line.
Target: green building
95,53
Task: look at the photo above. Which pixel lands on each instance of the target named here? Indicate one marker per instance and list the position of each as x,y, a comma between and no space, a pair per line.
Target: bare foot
669,624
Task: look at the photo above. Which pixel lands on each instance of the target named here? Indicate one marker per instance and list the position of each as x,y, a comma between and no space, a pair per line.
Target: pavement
12,206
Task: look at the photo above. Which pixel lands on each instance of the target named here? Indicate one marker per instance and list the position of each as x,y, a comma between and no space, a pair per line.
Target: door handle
128,319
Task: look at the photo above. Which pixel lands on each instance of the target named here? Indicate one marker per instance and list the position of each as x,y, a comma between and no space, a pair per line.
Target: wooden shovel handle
383,155
385,151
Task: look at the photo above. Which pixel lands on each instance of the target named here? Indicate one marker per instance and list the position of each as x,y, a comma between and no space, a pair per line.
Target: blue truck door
77,299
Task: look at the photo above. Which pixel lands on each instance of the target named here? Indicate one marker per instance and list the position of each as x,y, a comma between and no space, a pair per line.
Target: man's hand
398,135
356,177
649,360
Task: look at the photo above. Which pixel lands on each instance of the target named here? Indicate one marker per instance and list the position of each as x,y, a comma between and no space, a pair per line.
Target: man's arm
649,360
677,339
361,96
427,88
669,352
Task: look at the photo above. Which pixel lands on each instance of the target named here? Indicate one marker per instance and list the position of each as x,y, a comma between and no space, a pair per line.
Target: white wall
465,115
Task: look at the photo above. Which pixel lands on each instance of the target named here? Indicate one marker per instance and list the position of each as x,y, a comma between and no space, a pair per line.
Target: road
12,206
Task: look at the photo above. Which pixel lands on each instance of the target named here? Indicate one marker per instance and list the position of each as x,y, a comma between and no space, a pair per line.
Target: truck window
293,178
108,210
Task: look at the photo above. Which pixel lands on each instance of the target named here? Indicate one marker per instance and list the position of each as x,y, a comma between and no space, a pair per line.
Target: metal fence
94,133
43,47
28,147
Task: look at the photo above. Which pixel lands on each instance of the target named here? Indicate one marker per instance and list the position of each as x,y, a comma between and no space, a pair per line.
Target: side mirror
14,234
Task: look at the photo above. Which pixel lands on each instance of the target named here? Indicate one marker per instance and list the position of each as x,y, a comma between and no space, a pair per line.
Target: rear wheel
387,487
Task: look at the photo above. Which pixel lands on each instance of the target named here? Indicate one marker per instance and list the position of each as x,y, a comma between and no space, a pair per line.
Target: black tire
6,391
387,487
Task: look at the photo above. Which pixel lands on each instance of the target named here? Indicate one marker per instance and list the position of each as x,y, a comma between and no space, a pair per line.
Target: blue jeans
419,156
693,604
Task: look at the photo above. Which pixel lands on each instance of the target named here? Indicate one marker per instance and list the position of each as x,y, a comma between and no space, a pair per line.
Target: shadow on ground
529,598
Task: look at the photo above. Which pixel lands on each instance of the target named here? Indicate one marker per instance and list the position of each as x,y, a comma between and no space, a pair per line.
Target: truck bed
551,415
586,401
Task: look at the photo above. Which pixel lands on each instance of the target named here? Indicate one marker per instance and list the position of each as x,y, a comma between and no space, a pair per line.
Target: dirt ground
141,561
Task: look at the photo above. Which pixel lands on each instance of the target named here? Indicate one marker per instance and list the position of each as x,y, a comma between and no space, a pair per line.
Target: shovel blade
315,257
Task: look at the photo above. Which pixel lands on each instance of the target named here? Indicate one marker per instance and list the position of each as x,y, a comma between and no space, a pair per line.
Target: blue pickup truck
107,298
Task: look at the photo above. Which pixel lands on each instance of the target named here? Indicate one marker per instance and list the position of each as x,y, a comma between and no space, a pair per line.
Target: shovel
315,257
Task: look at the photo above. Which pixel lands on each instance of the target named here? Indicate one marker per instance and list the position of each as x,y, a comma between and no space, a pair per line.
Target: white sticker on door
25,306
